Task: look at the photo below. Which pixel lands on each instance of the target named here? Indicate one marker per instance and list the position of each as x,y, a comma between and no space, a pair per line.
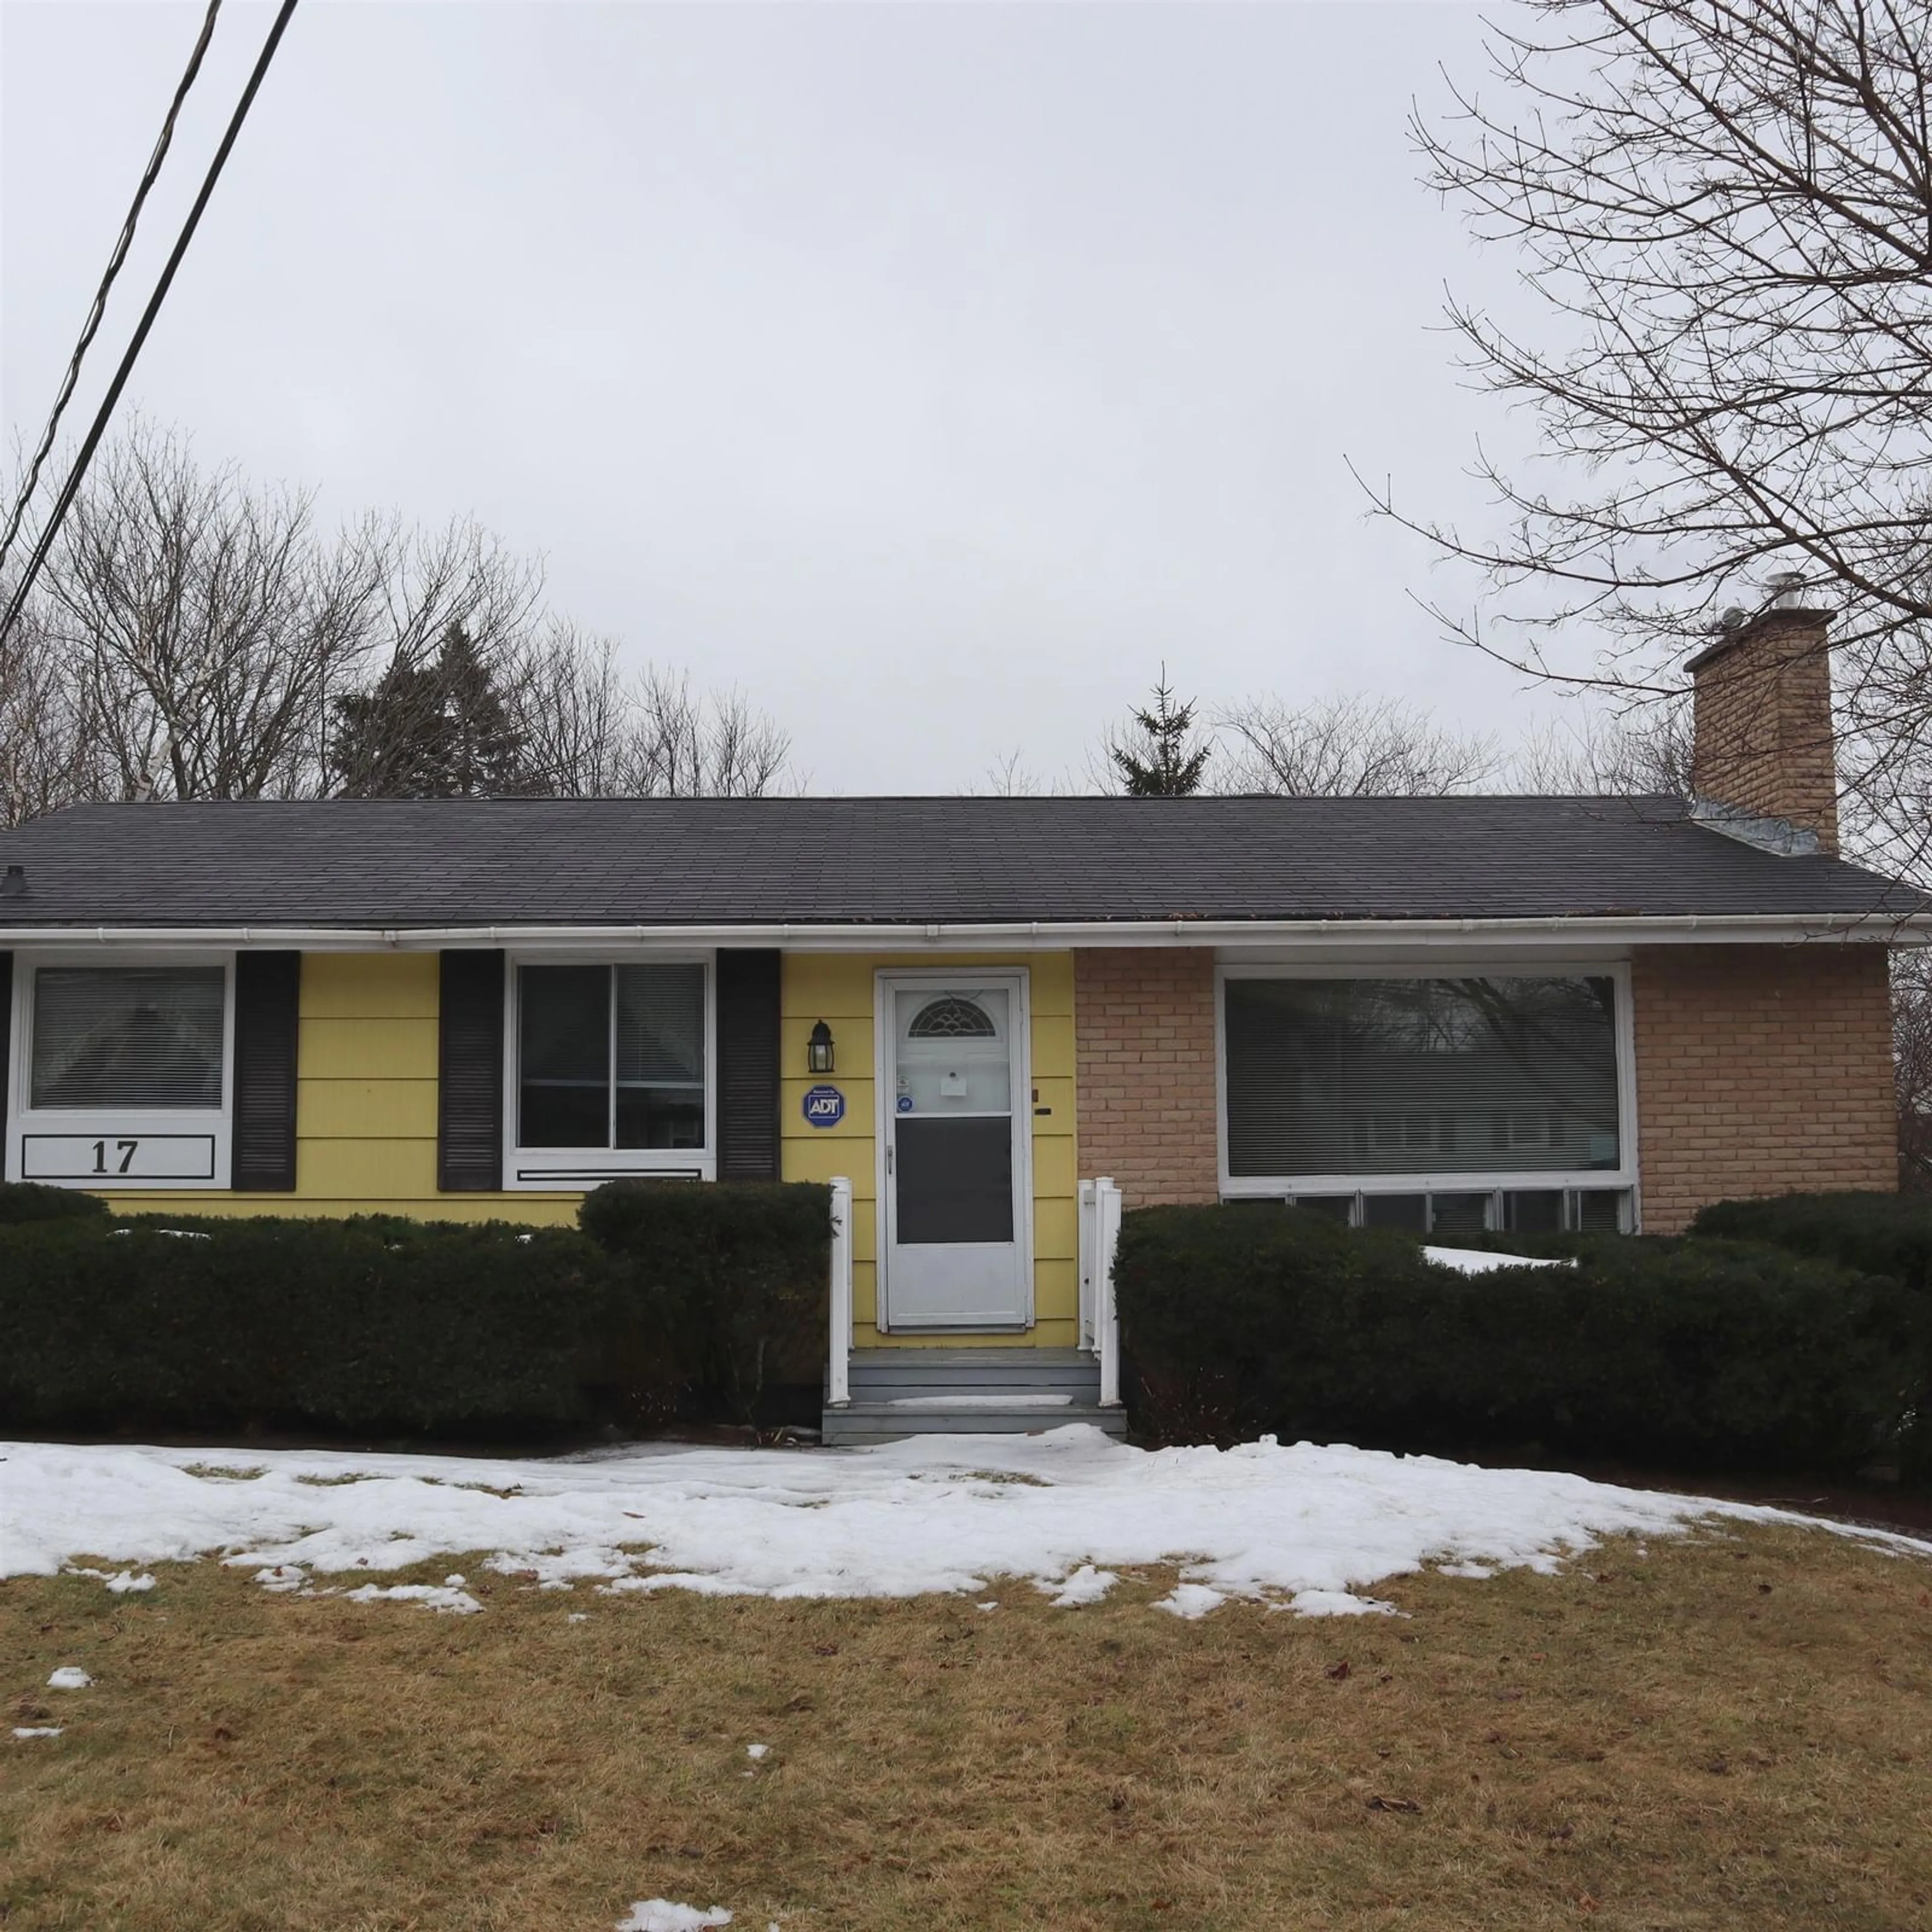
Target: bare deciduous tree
701,746
1725,208
1638,753
572,704
196,624
1912,1062
587,732
1350,747
193,636
49,744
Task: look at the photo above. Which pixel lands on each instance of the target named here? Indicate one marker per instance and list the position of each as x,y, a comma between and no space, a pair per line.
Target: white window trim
1485,1181
549,1169
116,1125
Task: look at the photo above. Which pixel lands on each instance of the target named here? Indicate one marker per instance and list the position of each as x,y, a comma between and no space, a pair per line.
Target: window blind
661,1025
1421,1076
659,1033
127,1036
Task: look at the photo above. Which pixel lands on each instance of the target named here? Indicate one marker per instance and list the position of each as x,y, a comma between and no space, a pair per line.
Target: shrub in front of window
374,1326
1884,1234
1691,1354
729,1281
22,1201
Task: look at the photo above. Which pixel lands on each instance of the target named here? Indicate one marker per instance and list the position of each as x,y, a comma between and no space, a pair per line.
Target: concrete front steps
901,1392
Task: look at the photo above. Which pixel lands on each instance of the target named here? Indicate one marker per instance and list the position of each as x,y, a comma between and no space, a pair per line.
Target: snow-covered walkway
1313,1527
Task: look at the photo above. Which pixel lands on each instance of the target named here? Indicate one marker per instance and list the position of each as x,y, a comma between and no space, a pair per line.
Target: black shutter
470,1074
748,1066
268,998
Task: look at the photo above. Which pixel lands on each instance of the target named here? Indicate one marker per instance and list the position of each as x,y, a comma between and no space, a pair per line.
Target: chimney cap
1785,600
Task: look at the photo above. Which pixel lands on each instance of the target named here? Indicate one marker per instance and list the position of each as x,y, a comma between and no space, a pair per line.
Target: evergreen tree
435,730
1157,757
486,749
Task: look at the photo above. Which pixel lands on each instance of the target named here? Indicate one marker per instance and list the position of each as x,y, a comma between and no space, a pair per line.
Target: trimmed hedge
1690,1353
721,1292
369,1325
700,1301
22,1201
1883,1234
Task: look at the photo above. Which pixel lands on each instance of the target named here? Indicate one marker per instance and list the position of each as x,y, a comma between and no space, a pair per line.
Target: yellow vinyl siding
366,1109
838,988
365,1106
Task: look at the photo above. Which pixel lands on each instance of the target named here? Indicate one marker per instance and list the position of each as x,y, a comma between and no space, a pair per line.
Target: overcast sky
929,372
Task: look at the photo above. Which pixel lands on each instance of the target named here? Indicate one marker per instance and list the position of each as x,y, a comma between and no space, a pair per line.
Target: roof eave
1891,927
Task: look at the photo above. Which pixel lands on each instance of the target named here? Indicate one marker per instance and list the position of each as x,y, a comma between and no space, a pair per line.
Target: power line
91,327
71,488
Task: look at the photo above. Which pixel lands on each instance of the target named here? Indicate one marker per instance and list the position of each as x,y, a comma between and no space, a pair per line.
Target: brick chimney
1762,744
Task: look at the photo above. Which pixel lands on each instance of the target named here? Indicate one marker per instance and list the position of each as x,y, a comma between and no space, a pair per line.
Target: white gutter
1694,928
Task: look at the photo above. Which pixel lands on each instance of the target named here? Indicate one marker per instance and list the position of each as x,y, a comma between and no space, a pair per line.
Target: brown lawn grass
1731,1731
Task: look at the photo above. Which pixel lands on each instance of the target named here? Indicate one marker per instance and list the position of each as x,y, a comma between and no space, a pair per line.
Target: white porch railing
1099,1327
838,1386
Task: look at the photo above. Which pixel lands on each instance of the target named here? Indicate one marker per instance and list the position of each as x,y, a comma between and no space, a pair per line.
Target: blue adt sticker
905,1103
824,1107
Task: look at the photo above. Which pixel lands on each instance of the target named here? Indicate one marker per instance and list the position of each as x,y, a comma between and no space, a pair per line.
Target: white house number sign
117,1157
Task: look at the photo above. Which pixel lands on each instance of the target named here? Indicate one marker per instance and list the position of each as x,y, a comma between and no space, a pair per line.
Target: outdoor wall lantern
818,1049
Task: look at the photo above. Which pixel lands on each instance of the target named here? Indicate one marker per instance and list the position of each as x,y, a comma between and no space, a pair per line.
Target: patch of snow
1302,1526
1478,1260
992,1606
70,1677
1086,1584
431,1596
660,1915
756,1751
578,1617
1476,1570
1338,1603
37,1730
120,1582
1192,1600
178,1234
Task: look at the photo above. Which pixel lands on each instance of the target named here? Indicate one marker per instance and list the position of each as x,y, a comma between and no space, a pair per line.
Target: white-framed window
1438,1098
121,1072
609,1070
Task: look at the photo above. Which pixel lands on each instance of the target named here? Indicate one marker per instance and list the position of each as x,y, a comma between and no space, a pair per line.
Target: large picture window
116,1037
1371,1080
611,1056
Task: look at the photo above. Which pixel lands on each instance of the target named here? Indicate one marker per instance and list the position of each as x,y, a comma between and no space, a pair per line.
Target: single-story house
1444,1014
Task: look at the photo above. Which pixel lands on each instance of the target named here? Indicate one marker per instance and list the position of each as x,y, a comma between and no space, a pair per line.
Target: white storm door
954,1112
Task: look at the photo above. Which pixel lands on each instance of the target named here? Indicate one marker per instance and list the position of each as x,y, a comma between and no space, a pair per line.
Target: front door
953,1113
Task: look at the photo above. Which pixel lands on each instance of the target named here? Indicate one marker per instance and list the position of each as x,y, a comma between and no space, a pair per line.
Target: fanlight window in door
952,1017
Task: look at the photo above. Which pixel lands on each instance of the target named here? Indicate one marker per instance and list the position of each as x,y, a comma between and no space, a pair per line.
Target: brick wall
1763,732
1760,1069
1143,1028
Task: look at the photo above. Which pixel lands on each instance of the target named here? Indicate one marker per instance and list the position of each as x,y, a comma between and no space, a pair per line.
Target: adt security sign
824,1107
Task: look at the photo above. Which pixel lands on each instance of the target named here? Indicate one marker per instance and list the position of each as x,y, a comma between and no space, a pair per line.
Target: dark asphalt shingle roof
434,863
